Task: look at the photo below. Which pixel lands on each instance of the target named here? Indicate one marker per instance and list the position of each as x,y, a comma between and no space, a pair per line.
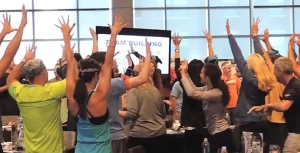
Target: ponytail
80,95
221,85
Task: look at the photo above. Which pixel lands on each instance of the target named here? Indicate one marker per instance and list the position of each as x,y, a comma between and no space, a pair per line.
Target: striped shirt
213,108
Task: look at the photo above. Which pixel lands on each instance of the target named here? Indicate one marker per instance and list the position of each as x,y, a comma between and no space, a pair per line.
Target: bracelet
111,46
177,50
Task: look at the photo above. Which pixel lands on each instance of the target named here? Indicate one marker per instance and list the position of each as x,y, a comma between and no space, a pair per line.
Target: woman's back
147,108
93,133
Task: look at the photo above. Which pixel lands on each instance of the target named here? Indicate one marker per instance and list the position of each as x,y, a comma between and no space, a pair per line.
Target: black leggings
219,140
151,145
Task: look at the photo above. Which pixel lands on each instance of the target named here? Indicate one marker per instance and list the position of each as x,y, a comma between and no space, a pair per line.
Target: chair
137,149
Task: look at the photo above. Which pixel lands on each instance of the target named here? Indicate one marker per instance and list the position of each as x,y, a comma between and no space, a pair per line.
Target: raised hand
292,40
24,17
257,109
254,29
148,50
93,33
30,52
6,24
208,36
298,39
118,25
64,26
183,67
266,36
176,39
228,27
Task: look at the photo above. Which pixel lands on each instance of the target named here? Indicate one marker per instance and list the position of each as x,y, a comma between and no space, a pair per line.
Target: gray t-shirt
213,108
177,92
147,109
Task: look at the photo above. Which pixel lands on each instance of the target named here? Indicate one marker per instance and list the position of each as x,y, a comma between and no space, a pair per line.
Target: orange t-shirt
233,84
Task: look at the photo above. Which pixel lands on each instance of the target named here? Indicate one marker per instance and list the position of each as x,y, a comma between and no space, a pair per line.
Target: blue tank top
92,138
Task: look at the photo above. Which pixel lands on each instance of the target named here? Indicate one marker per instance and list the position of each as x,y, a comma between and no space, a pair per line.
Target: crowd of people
264,98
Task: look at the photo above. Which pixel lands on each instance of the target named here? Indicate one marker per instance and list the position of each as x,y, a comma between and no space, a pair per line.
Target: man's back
40,110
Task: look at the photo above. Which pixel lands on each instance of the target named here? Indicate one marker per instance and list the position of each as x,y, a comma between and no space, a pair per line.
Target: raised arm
256,40
95,41
105,79
144,74
15,74
197,93
13,45
69,55
238,56
291,55
211,53
176,41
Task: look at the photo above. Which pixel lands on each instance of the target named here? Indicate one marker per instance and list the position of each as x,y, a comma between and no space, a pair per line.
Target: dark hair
99,57
194,69
214,73
80,93
274,57
257,138
209,60
157,80
78,57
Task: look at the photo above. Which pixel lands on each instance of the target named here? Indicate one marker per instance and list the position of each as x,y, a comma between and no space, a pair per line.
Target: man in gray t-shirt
176,96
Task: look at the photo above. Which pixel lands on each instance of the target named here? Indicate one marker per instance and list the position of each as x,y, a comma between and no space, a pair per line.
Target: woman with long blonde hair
257,82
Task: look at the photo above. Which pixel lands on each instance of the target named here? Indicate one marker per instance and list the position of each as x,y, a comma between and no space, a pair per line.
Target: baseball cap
33,68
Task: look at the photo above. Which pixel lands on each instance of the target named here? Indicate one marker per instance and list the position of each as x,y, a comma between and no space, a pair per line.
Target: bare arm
144,74
13,45
95,41
3,88
6,27
105,81
292,57
211,53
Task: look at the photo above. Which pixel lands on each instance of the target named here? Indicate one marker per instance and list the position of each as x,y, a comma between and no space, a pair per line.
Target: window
51,74
44,24
86,48
186,3
296,21
280,44
94,3
16,5
277,20
273,2
229,3
239,21
189,22
193,48
19,55
222,47
50,52
91,19
15,22
148,3
149,19
55,4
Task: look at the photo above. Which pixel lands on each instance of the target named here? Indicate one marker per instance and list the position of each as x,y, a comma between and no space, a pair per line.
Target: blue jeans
292,143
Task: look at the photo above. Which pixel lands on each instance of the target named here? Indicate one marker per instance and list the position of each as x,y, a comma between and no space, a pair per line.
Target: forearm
11,51
236,51
2,36
16,73
177,65
3,88
278,107
291,55
95,44
173,104
211,53
268,45
257,45
110,51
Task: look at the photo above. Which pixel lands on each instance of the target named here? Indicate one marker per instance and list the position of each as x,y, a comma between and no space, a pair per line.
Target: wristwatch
177,50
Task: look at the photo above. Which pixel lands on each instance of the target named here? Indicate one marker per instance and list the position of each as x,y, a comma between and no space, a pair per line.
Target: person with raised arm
276,122
292,56
257,82
192,114
288,103
39,104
